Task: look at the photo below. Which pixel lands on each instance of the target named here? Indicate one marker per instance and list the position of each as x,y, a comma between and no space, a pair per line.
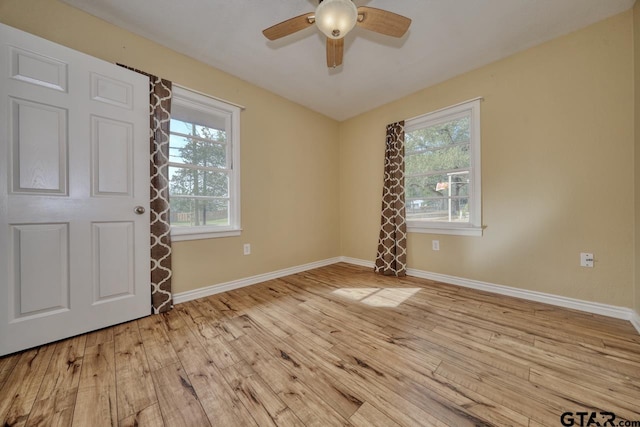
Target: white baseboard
635,321
357,261
576,304
247,281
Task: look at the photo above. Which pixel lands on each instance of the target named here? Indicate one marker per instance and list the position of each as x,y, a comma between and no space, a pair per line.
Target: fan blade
335,50
289,26
383,21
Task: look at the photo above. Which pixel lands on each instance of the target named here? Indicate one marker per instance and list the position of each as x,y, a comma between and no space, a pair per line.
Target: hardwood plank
264,405
333,393
368,416
531,324
588,397
146,417
54,411
218,401
99,337
624,362
338,345
622,345
209,337
21,387
305,322
134,384
157,345
391,403
467,353
604,379
464,330
486,378
429,400
56,398
96,404
178,400
306,404
7,364
524,403
275,327
378,343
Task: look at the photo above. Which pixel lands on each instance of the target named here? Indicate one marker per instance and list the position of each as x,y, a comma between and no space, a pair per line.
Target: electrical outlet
435,245
247,249
586,260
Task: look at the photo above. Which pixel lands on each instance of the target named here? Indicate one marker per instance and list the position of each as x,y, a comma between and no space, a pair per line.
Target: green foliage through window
199,175
437,165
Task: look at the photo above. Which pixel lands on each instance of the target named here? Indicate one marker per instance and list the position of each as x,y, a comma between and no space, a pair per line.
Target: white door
74,192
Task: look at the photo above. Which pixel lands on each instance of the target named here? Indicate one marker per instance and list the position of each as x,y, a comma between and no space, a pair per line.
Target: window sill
456,231
183,235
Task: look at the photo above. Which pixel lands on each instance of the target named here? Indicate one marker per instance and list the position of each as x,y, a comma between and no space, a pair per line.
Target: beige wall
636,56
557,154
288,153
557,169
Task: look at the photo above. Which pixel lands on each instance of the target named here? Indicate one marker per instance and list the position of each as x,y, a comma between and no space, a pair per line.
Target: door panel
111,91
40,274
112,145
37,69
74,153
113,262
39,147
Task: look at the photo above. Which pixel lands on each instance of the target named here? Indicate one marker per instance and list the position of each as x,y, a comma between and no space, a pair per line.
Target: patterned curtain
160,116
392,245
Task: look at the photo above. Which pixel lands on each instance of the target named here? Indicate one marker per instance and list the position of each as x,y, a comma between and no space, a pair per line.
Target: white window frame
474,226
199,101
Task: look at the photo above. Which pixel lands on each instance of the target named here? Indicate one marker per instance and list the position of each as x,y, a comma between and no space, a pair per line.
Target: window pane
203,172
195,182
443,210
196,152
445,185
210,153
440,135
190,212
204,117
456,157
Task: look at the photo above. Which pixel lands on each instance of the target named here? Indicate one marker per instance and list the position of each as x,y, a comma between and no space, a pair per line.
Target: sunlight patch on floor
378,297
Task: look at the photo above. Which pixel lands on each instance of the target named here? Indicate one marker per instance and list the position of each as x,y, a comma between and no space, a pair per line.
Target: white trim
576,304
635,321
460,231
479,98
247,281
357,261
472,109
198,101
241,107
204,234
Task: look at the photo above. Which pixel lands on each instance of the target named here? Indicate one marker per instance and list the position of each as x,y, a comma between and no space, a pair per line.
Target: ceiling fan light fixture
335,18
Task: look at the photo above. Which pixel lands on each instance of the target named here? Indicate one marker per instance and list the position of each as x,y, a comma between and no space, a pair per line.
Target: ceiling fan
335,18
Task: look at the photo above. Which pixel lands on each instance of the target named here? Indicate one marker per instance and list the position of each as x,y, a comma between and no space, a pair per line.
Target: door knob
139,210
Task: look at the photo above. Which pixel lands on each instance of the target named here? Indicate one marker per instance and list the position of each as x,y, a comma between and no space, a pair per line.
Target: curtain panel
160,117
391,259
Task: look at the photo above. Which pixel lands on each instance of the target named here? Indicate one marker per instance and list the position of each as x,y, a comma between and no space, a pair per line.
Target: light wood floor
333,346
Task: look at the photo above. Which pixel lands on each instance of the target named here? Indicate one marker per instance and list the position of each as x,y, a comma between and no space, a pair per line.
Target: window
442,171
204,168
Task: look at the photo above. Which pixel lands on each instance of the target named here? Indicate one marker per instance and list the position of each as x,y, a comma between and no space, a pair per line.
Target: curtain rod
241,107
446,108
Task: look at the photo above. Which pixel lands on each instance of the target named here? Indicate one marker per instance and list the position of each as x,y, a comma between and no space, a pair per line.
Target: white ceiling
446,38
